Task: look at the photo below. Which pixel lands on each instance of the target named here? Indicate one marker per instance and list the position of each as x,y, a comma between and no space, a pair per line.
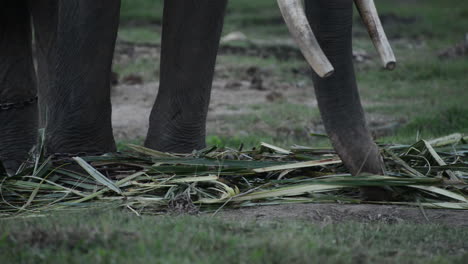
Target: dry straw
430,174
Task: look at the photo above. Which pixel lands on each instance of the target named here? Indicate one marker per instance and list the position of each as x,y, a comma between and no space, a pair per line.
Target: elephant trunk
338,96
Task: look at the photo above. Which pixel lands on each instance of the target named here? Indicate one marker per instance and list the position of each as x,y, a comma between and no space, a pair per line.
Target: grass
123,144
440,22
428,93
115,237
145,67
433,124
141,11
419,92
281,123
141,34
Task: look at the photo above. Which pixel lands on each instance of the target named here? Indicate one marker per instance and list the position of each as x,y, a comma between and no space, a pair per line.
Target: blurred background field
262,89
263,92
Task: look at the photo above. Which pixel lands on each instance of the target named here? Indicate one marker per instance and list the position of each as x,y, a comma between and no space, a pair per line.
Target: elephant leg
75,45
18,104
190,40
338,96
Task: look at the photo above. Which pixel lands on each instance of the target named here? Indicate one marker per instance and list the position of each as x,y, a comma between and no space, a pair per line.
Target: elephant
74,43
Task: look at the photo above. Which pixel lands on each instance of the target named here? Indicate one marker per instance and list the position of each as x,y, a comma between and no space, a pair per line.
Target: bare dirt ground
334,213
234,94
132,104
132,99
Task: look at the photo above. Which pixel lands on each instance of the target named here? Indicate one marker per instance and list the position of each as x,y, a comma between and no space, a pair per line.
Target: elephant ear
296,20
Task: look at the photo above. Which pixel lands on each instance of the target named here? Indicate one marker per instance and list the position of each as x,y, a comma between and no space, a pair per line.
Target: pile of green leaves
431,174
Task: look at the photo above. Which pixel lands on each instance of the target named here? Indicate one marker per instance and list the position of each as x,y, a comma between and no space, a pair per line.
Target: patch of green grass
430,94
281,123
241,15
145,67
285,115
122,144
423,83
433,124
148,11
422,66
145,34
256,19
440,22
114,237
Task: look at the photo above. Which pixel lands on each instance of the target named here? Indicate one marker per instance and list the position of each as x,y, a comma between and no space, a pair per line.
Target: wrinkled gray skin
75,42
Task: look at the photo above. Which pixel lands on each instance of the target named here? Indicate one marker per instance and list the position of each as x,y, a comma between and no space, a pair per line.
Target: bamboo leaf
288,191
447,140
441,192
195,179
146,180
439,160
97,175
119,183
149,152
275,148
299,165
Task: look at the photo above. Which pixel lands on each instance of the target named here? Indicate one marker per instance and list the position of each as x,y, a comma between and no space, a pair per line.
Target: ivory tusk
296,20
371,19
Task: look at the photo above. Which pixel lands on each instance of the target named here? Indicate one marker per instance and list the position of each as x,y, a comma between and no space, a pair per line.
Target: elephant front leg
75,43
18,104
338,96
190,40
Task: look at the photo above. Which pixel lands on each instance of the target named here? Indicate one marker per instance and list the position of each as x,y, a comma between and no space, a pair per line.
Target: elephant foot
18,134
79,133
175,142
11,166
176,139
62,146
176,129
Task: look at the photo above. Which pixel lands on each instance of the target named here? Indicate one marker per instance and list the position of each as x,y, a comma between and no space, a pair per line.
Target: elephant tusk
296,20
371,19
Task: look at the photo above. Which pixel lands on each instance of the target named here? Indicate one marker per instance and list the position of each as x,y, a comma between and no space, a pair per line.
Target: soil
132,104
234,93
336,213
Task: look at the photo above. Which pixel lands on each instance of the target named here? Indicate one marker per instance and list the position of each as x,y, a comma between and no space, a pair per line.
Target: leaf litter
426,174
